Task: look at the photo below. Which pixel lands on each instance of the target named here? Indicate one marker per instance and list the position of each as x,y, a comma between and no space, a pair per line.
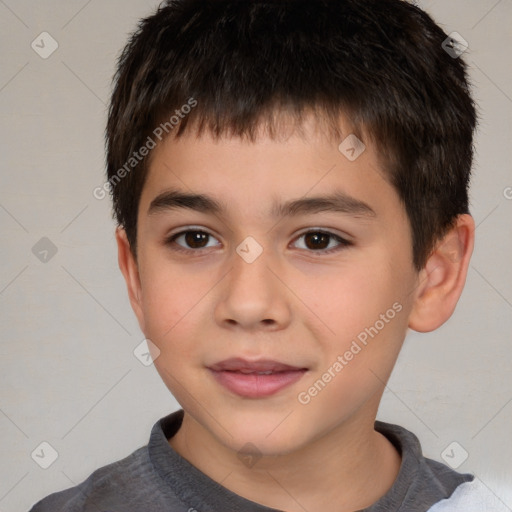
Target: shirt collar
420,482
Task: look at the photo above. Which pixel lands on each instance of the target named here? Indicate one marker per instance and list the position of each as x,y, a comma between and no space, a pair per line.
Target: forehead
268,174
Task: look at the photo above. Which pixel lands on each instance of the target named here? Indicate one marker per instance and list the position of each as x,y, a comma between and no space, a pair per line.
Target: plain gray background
68,373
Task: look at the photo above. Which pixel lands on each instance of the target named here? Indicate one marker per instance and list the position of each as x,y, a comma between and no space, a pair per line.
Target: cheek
169,303
366,315
350,299
177,305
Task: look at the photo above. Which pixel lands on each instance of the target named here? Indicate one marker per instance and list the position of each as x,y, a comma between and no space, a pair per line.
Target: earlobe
442,280
130,271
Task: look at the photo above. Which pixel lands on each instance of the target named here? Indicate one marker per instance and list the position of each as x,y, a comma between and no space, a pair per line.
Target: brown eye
196,239
322,242
190,240
317,240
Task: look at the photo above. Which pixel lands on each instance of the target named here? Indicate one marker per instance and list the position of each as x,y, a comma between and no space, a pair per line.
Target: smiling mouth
255,379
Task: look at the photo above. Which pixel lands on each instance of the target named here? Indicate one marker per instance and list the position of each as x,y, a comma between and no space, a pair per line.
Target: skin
294,304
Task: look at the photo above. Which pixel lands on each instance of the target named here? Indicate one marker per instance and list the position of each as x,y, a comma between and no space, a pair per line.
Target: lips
244,366
255,379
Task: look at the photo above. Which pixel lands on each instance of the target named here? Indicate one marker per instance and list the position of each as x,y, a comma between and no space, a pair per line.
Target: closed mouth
260,367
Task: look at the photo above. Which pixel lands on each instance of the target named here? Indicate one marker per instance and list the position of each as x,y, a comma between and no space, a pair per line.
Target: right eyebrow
174,199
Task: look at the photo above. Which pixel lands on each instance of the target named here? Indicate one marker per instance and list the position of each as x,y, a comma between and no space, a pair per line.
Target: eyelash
343,243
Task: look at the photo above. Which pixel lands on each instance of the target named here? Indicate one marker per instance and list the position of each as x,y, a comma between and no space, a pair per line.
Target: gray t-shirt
155,478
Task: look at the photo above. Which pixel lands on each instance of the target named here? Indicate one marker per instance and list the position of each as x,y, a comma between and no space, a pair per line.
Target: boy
290,184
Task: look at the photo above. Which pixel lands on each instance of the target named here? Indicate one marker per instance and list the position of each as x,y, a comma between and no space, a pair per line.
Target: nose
252,296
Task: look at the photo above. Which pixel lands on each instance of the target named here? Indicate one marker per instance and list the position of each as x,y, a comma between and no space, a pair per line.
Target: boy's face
294,304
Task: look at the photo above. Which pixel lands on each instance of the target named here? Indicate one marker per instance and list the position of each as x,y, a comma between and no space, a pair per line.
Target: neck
349,468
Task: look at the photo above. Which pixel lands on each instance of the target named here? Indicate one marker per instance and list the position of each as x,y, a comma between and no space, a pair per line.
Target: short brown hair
380,63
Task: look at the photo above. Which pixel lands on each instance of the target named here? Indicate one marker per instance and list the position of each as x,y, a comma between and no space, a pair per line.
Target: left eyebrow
336,202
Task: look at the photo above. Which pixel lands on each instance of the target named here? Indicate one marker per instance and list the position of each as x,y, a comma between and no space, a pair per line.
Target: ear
130,271
441,281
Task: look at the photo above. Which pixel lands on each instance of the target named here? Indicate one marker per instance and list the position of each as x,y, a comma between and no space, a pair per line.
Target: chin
272,433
